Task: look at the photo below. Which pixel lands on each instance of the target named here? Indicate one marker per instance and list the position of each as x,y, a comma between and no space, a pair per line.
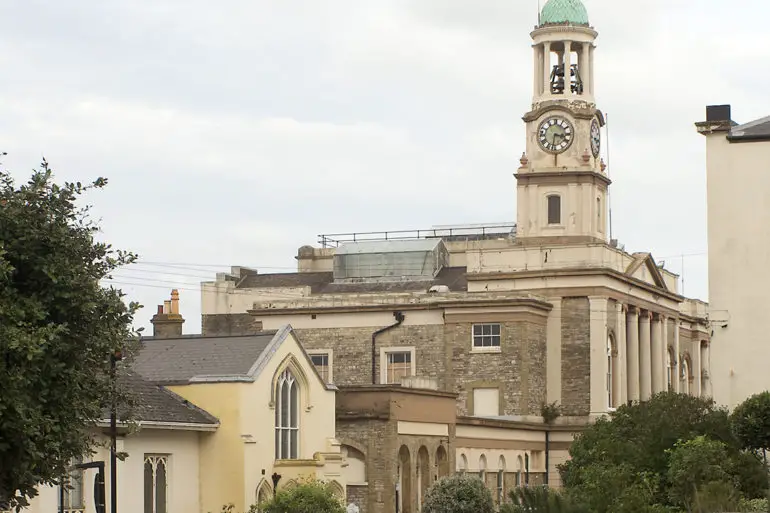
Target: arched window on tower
287,417
554,209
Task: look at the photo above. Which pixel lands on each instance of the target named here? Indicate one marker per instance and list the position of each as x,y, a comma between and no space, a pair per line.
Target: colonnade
653,363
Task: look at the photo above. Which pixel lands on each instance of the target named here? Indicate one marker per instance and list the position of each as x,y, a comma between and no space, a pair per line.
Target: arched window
482,467
462,463
554,209
671,369
287,417
519,471
685,388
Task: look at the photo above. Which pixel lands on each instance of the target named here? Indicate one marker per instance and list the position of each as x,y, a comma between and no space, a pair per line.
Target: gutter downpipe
399,319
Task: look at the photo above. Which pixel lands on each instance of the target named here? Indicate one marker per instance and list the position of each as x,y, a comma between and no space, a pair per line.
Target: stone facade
576,356
443,353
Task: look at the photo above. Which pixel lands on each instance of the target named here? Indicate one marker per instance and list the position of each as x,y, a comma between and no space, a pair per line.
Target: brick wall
443,352
575,356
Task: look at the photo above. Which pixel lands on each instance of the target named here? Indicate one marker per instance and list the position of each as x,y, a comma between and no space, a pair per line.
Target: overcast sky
234,132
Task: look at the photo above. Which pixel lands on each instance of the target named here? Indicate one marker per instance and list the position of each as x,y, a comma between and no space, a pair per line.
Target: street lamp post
114,358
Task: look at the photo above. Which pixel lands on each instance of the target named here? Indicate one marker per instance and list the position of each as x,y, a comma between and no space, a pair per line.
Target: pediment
645,269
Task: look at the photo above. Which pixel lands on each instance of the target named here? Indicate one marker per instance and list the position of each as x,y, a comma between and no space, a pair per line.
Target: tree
307,497
458,494
751,422
58,330
694,464
621,463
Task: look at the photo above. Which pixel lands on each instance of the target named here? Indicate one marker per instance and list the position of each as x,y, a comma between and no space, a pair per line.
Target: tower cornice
578,109
566,177
563,29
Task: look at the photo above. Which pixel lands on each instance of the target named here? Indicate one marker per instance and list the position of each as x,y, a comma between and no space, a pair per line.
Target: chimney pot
160,309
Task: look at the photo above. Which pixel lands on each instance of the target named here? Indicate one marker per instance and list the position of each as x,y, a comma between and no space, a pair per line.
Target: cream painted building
502,318
220,420
738,182
162,464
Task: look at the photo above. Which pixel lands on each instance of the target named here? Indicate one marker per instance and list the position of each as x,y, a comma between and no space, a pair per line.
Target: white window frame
486,349
287,378
384,351
68,508
329,353
154,459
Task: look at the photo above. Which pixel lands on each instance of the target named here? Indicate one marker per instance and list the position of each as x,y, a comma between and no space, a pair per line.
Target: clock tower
562,183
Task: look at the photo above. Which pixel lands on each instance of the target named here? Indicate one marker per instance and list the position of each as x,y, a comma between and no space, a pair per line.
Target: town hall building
500,319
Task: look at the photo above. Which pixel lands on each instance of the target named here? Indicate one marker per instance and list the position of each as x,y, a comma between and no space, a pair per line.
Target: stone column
546,67
622,365
591,68
657,368
537,89
632,353
567,66
677,357
645,358
585,68
598,329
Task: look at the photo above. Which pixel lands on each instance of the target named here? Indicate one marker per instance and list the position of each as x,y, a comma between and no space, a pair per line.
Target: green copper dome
564,11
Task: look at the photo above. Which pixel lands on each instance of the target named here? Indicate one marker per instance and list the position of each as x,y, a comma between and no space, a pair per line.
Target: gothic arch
291,363
337,490
352,443
264,492
290,485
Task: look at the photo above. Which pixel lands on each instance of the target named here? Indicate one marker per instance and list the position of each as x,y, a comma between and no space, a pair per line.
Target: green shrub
307,497
458,494
753,505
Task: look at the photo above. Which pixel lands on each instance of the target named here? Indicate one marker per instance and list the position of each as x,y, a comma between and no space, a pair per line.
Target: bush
538,499
458,494
753,505
307,497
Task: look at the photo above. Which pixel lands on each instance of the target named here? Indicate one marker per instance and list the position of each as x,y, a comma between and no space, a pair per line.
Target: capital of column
657,316
630,309
645,314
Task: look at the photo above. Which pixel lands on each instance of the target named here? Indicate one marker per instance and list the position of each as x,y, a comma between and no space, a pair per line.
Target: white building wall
738,181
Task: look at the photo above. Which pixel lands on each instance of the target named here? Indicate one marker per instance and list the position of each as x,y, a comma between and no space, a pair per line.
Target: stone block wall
376,439
443,353
576,356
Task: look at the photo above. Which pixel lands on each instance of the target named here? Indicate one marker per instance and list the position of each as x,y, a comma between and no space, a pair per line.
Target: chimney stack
167,323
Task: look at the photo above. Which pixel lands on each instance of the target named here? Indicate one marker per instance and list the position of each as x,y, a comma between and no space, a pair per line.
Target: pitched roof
194,358
755,130
156,404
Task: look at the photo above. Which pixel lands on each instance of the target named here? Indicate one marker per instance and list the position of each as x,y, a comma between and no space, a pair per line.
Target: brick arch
355,445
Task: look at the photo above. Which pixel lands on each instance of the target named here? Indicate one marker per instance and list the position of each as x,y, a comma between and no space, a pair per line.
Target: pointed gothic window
554,209
286,417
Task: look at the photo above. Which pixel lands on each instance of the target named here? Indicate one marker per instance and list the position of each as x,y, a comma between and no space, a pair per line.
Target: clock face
596,138
555,134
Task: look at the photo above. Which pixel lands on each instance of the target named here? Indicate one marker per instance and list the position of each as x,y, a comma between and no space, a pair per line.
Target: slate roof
755,130
154,403
180,360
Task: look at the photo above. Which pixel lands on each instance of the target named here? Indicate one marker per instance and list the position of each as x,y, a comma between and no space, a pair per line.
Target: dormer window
554,209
